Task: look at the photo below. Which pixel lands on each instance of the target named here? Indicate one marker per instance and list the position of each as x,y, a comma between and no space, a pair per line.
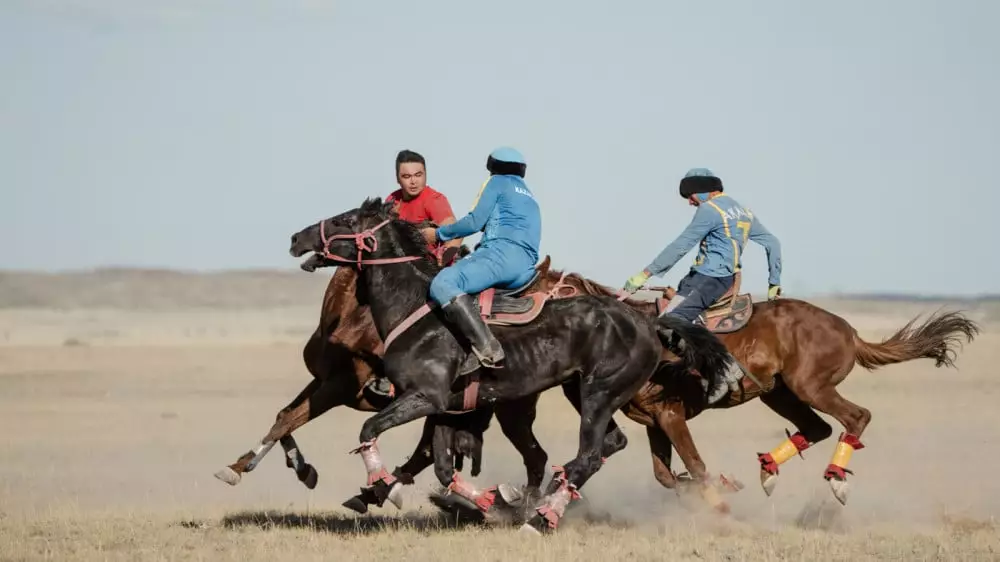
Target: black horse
607,346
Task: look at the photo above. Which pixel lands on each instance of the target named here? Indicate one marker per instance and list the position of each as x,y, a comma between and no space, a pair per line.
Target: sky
200,134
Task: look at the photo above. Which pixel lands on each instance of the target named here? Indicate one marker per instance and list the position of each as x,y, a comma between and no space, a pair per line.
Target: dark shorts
697,292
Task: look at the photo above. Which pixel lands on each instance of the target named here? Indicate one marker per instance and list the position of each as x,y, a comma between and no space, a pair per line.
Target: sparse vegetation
118,413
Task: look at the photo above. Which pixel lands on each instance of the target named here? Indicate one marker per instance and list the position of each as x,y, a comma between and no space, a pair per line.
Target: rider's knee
443,288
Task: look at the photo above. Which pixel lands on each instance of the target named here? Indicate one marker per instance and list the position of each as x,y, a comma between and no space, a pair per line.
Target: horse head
369,234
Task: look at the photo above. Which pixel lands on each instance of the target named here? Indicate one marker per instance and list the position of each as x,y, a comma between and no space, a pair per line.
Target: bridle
361,240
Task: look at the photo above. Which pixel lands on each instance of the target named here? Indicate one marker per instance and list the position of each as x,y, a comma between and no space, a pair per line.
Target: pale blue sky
201,134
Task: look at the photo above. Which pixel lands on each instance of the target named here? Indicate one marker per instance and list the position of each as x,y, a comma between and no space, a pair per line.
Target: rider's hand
636,282
430,235
773,292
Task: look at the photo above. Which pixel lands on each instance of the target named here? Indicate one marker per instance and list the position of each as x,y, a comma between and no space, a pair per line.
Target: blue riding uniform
721,228
508,214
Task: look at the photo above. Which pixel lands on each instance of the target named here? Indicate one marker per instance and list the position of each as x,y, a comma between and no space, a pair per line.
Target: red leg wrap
836,472
799,441
484,500
851,440
373,463
382,475
767,463
555,504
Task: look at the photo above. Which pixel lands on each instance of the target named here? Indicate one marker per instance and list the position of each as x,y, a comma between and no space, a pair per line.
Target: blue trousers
500,264
695,293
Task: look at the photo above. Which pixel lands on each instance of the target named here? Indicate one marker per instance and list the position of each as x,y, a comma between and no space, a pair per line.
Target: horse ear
543,267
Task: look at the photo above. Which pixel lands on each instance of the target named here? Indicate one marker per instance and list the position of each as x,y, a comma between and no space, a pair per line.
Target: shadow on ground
345,524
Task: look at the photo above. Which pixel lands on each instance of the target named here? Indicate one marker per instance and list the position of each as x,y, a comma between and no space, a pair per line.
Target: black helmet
699,180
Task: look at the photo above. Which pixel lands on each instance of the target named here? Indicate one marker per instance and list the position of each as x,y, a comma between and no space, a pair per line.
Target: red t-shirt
428,205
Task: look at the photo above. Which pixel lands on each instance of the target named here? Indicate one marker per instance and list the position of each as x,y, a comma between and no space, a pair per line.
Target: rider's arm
700,226
476,219
439,210
761,235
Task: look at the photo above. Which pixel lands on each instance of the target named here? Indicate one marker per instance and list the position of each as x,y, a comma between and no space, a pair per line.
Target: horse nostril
295,239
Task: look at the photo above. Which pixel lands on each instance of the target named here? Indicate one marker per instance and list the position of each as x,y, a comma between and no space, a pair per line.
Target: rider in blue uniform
508,215
721,228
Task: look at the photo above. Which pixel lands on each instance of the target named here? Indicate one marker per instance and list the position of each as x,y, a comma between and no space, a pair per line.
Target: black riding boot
462,312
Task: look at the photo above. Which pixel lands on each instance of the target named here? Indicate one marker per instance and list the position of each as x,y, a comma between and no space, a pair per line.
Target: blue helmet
508,154
506,161
699,180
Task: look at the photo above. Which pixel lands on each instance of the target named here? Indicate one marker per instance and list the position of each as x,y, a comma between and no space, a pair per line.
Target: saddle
512,307
729,313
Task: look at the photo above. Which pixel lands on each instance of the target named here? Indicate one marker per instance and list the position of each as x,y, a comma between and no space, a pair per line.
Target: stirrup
379,391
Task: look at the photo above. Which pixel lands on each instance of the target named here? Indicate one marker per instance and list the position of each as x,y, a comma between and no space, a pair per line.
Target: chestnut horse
799,353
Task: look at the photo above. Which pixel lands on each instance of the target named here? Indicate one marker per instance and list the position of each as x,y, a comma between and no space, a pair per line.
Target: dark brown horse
342,355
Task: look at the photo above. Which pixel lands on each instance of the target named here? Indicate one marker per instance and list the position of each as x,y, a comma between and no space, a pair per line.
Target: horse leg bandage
846,446
258,453
554,506
482,499
373,463
793,445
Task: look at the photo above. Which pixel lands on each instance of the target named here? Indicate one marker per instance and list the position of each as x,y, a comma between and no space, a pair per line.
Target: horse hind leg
614,437
516,419
810,429
825,398
600,398
855,419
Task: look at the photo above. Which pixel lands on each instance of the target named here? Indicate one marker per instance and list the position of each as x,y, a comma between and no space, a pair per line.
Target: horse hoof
840,490
356,504
310,477
768,481
729,484
511,495
711,496
528,529
229,476
396,495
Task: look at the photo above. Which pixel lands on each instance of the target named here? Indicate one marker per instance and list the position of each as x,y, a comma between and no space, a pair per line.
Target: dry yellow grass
110,443
337,537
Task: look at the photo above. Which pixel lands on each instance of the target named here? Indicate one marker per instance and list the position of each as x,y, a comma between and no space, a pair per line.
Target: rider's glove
636,282
773,292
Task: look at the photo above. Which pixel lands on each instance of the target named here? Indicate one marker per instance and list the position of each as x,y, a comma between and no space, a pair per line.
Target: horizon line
834,294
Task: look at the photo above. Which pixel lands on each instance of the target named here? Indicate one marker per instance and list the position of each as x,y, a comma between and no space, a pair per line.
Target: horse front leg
419,460
410,406
671,420
315,399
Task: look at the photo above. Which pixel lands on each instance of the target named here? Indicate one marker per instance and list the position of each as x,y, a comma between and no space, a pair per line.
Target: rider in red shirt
416,201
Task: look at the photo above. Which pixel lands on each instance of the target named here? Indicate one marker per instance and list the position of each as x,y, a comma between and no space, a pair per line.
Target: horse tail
936,339
697,346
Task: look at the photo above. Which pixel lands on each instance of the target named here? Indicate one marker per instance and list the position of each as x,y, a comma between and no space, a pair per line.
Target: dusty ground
116,417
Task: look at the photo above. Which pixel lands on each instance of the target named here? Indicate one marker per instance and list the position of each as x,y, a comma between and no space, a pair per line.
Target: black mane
413,240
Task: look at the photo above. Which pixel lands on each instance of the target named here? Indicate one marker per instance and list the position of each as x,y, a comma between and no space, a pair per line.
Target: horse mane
593,288
375,208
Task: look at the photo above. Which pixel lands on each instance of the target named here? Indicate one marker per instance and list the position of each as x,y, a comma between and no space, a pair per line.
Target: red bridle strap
361,240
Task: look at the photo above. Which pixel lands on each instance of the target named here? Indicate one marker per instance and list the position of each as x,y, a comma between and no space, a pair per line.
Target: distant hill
135,288
162,289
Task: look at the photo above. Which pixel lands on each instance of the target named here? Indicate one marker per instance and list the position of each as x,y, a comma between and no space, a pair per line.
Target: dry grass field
121,393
